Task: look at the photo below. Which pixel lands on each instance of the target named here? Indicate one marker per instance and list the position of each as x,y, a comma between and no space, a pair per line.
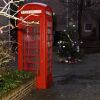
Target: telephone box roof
41,4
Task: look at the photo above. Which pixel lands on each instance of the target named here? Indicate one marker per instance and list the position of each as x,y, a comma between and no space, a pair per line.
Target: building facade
91,20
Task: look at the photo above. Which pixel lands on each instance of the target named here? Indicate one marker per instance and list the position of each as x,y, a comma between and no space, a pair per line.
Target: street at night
79,81
49,49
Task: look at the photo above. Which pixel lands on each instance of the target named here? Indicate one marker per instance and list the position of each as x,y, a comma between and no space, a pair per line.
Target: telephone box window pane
49,43
31,46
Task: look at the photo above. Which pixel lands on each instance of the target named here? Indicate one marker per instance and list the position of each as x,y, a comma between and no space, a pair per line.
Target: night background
69,50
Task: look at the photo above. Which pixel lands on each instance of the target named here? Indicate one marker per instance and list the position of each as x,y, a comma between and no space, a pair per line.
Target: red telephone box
35,42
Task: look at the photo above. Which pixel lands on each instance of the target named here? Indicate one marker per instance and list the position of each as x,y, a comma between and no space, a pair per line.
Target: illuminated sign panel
31,11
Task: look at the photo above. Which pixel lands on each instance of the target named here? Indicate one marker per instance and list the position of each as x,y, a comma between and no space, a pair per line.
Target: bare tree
79,7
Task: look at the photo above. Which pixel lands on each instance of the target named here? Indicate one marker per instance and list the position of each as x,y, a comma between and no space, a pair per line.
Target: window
88,27
88,3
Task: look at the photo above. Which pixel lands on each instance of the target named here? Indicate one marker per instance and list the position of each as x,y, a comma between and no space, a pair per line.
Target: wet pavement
73,81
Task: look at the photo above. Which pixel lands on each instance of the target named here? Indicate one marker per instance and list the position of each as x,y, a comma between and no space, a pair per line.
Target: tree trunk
80,11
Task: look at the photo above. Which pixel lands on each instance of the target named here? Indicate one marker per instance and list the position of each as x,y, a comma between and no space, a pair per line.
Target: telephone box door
30,46
31,43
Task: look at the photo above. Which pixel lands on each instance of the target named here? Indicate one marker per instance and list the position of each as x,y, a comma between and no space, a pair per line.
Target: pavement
79,81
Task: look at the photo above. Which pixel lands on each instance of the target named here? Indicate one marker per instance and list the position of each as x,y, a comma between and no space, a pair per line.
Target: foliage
69,45
13,80
5,54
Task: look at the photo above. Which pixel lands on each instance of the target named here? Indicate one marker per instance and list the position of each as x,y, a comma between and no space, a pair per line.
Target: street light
67,13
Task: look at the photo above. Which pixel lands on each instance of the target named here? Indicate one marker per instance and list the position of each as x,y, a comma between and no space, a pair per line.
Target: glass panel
31,46
49,43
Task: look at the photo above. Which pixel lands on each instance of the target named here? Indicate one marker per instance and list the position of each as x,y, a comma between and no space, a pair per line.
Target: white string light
6,8
5,11
4,1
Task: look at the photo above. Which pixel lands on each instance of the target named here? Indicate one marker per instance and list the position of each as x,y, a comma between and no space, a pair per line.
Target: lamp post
67,13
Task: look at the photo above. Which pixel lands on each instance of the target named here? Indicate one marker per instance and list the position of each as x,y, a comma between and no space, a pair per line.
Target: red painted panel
35,53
